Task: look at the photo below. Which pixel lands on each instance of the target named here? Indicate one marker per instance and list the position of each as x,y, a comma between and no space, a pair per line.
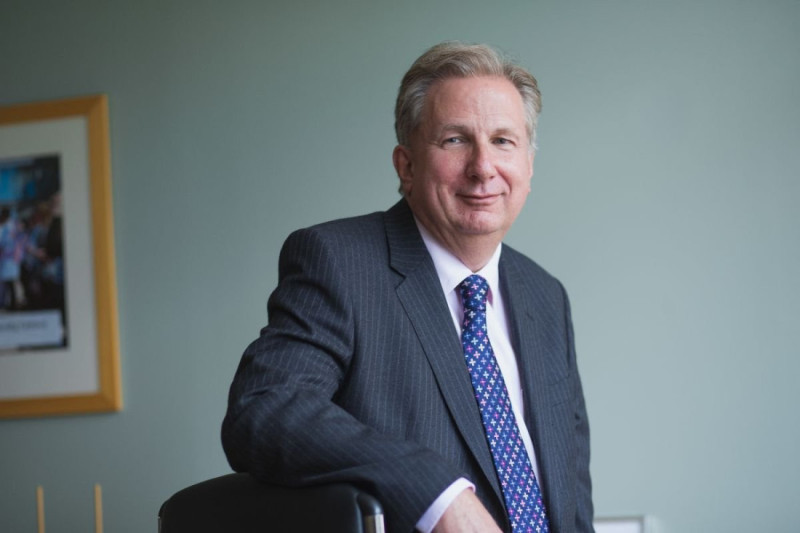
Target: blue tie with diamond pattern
521,491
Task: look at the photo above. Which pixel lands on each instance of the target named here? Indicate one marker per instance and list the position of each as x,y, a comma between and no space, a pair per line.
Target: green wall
665,197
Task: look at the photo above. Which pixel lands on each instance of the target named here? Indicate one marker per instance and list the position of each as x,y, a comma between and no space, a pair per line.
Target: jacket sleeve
283,424
584,508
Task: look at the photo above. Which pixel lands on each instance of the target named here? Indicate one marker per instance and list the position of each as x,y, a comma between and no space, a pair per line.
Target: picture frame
59,332
625,524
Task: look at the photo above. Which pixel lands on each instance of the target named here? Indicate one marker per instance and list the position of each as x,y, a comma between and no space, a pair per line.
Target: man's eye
502,140
452,140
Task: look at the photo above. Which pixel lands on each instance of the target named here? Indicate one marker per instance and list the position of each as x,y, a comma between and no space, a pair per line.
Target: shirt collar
452,271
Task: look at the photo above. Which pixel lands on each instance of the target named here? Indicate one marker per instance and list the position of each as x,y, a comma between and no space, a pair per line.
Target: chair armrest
238,503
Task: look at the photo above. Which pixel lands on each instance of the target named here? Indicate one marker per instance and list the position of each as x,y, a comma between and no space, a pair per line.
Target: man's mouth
479,199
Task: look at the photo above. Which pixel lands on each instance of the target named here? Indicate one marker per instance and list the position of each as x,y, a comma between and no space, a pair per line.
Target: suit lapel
420,293
535,344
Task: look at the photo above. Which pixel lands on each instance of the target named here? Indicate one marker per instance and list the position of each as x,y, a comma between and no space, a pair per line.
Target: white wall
665,198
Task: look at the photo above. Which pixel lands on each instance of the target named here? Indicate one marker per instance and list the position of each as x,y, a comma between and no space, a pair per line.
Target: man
366,372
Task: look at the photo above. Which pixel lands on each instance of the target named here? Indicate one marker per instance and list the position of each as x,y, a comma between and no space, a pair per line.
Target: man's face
468,168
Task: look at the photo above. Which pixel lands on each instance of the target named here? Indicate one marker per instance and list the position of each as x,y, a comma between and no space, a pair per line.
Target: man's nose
481,163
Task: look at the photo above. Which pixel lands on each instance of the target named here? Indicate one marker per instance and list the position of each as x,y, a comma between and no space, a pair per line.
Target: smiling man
467,170
410,352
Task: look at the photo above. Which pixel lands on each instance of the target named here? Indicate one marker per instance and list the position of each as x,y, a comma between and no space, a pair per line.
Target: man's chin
478,226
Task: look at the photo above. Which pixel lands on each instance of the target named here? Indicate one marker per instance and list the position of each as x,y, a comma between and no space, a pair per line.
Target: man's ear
401,157
530,162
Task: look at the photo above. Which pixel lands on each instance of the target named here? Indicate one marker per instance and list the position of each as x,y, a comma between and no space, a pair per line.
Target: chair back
238,503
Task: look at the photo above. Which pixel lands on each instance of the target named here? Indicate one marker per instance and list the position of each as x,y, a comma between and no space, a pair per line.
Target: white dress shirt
452,272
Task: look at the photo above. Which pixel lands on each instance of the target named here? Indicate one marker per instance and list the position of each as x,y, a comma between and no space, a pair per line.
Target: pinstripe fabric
359,377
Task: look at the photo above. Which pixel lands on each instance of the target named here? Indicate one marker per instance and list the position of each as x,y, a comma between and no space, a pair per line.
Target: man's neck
474,252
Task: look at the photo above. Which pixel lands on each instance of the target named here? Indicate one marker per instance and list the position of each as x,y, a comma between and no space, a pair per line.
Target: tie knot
473,292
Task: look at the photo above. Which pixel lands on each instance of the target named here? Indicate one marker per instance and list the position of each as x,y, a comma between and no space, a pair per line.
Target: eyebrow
508,132
453,127
461,128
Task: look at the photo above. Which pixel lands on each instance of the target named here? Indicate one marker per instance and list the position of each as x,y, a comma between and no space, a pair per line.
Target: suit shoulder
527,275
352,236
529,266
350,223
355,228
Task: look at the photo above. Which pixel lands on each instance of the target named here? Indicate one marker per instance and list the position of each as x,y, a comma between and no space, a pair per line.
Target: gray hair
453,59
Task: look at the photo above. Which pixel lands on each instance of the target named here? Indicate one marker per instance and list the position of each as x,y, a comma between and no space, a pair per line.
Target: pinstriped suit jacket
360,377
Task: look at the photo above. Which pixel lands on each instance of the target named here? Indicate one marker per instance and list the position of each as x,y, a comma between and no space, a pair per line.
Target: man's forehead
469,84
457,103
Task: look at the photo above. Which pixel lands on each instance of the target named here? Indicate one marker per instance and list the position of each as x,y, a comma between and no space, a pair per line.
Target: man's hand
466,515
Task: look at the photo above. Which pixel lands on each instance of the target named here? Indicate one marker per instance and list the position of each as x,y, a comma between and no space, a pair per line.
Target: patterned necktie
520,488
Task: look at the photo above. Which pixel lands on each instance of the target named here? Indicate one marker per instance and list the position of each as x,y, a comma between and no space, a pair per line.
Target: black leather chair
237,503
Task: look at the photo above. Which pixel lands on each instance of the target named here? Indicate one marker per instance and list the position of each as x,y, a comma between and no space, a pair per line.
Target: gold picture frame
67,379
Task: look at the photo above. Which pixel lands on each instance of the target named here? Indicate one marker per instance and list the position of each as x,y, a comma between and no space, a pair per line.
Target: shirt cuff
440,504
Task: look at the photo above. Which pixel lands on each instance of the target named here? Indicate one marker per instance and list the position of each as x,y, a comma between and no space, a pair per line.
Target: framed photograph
624,524
59,339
